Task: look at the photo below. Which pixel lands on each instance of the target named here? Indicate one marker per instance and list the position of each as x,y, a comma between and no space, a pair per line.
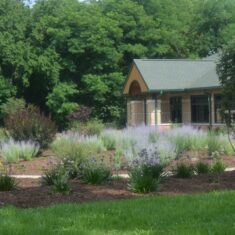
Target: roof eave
182,90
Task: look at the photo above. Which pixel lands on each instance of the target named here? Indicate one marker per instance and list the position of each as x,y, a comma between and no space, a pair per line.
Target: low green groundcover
211,213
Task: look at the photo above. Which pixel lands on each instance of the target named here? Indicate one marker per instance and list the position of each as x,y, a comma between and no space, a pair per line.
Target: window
200,109
176,109
135,89
218,100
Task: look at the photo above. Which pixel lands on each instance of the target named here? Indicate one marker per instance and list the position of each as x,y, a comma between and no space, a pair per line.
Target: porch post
213,108
186,110
159,111
210,110
150,112
128,104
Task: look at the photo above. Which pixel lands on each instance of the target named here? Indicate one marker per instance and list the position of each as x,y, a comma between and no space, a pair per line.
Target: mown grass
212,213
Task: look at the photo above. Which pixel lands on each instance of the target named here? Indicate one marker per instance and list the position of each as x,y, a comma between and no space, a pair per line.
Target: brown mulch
191,158
38,165
31,194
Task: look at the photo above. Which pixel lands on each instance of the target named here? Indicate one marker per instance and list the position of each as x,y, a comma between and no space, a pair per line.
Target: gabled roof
167,74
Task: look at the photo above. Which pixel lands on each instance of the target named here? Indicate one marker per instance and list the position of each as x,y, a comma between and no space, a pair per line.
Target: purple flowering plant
145,171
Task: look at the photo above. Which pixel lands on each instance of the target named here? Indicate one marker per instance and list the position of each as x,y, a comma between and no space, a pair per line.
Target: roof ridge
190,60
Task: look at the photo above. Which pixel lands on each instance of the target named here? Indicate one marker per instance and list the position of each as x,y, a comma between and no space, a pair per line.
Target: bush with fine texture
109,140
76,147
13,151
31,124
93,127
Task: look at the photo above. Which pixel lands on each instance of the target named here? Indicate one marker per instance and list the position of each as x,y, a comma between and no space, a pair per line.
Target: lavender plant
187,138
145,171
76,147
109,139
13,151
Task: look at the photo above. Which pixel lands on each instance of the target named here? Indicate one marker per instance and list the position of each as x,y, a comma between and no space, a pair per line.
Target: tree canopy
59,54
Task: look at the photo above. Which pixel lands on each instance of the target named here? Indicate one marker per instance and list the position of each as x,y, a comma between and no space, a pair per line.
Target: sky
31,2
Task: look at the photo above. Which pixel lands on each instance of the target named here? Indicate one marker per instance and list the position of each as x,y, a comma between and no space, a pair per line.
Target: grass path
211,213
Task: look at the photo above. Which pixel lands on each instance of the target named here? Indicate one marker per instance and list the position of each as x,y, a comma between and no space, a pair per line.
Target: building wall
135,112
158,110
135,76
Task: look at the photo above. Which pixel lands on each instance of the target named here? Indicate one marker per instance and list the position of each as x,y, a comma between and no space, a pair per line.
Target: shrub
13,151
72,167
81,115
214,144
11,107
95,171
4,135
31,124
166,150
202,168
218,167
184,171
93,127
145,171
153,137
109,140
186,138
61,102
117,161
57,177
7,183
71,150
75,147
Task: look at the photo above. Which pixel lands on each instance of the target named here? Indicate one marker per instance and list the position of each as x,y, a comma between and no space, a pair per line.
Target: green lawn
212,213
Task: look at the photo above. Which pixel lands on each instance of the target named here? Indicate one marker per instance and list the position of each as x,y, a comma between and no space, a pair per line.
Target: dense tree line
60,54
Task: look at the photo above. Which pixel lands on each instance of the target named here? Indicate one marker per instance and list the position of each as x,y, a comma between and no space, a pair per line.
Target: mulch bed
31,194
38,165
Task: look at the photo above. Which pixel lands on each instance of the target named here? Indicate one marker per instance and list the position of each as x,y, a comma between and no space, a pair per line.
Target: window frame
179,111
198,116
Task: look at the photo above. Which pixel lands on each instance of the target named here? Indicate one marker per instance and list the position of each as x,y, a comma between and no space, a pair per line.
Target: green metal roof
164,74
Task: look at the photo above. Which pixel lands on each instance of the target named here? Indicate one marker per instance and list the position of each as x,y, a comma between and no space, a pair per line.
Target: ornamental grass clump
214,144
95,171
7,183
166,150
58,177
109,139
145,171
187,138
184,171
13,151
202,168
218,167
76,147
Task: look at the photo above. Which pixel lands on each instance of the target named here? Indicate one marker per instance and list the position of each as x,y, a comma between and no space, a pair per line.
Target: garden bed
37,166
30,193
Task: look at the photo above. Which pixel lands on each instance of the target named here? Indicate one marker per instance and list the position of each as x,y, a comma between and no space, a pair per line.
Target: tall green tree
226,72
